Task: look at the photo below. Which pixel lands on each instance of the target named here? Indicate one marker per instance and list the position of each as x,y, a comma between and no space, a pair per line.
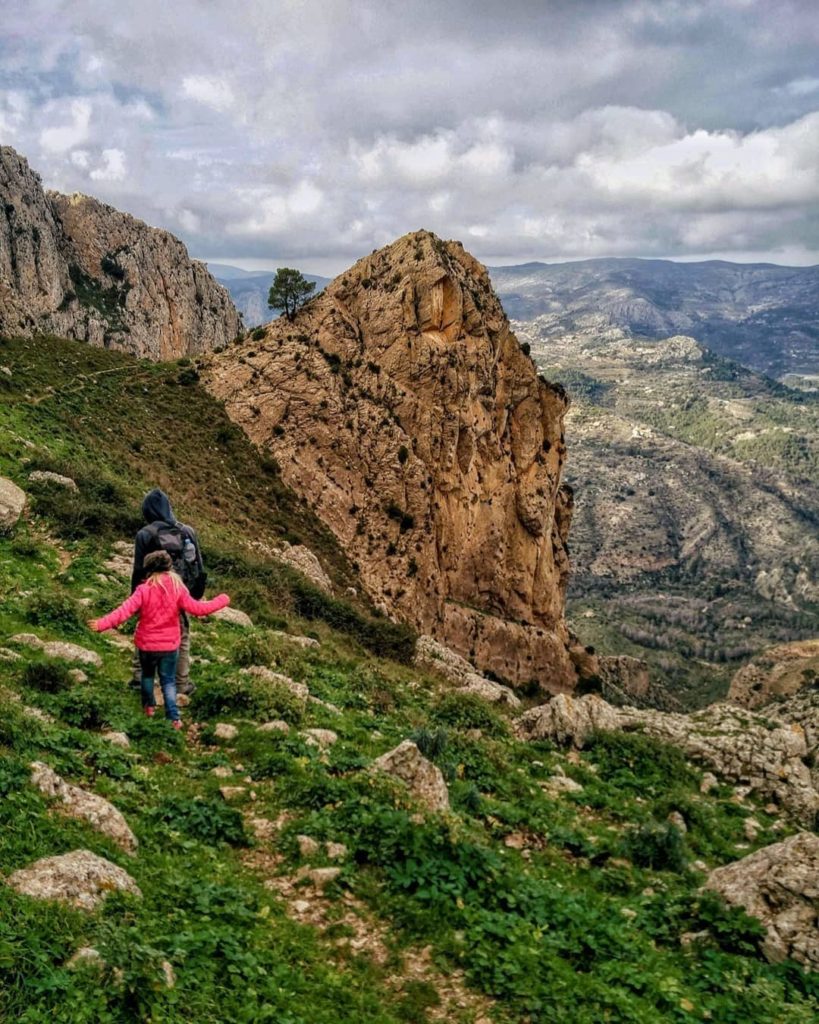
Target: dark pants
165,663
183,665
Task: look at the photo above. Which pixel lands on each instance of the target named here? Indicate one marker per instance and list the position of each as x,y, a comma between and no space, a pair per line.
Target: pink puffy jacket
159,604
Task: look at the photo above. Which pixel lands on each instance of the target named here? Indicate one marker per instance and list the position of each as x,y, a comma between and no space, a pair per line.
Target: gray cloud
527,129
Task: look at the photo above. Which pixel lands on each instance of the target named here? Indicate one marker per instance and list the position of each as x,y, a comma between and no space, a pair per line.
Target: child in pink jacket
159,599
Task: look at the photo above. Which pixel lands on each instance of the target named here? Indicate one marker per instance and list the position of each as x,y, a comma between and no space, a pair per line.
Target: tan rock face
402,407
777,672
73,266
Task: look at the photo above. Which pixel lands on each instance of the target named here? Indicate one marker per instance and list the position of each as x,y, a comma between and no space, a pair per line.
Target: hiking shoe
186,688
149,711
176,724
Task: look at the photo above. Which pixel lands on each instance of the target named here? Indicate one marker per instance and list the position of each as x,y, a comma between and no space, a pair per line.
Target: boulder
567,720
80,878
234,617
79,803
292,638
267,675
58,649
423,779
320,737
779,885
275,726
12,503
43,476
777,672
301,558
119,739
490,691
225,731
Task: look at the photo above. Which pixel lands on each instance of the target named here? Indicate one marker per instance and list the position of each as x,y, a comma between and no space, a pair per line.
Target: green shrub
209,821
431,742
656,846
253,648
639,763
85,709
467,711
247,695
47,676
99,508
55,609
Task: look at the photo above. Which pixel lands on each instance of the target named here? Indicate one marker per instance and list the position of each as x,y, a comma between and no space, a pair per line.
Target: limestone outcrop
421,777
80,878
777,672
768,756
72,266
779,885
12,504
402,407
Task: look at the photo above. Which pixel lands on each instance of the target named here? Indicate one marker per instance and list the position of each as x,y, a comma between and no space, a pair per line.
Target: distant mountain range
249,290
761,315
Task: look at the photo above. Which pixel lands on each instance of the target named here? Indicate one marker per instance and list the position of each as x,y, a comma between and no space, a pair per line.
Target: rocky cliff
400,404
72,266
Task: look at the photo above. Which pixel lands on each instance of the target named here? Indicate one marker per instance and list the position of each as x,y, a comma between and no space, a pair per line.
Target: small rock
628,913
6,371
267,675
689,938
678,821
85,956
699,865
58,649
8,655
423,779
119,739
515,841
12,503
79,803
292,638
263,828
323,876
38,714
301,906
751,828
225,731
231,793
277,725
43,476
561,784
168,974
221,772
234,617
79,878
320,737
336,851
489,691
308,847
77,675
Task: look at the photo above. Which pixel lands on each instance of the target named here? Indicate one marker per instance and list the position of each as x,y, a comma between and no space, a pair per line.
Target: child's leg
167,678
147,664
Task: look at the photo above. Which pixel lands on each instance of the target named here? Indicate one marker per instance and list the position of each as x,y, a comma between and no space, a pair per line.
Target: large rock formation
778,672
72,266
402,407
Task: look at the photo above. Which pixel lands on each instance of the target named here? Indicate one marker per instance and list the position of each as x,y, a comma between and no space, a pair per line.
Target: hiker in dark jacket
165,533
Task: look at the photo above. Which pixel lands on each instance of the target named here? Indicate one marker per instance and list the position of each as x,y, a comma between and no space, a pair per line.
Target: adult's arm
119,615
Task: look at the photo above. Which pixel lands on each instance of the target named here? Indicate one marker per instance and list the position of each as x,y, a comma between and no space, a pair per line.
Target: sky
270,131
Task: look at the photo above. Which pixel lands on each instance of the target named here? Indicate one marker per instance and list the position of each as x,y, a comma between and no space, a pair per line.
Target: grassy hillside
521,904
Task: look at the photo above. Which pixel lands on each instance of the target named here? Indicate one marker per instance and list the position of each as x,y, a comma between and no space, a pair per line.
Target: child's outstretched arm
118,615
190,604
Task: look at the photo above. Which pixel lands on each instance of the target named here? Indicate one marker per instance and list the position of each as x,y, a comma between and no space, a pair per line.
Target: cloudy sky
280,130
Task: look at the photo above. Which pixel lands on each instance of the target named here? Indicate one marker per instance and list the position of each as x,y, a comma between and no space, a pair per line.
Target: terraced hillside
271,871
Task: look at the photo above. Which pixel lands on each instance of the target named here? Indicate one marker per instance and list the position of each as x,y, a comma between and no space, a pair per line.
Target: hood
157,505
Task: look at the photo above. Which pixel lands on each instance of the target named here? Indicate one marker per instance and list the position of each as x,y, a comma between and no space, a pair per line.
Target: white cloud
73,120
802,86
112,168
208,90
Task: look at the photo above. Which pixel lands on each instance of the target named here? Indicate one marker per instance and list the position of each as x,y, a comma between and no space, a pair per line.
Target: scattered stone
628,913
263,828
234,617
232,793
267,675
221,772
121,642
303,560
561,784
225,731
6,371
423,779
119,739
58,649
168,974
8,655
119,565
515,841
689,938
38,714
44,476
709,782
336,851
751,829
323,738
779,885
12,503
77,675
678,821
79,878
323,876
85,956
432,654
308,847
277,725
699,865
301,906
292,638
489,691
79,803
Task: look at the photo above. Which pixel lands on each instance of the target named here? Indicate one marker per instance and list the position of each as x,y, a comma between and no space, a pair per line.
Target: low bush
467,711
209,821
657,846
85,709
55,609
47,676
247,695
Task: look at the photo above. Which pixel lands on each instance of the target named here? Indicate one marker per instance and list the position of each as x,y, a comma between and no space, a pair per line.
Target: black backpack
179,544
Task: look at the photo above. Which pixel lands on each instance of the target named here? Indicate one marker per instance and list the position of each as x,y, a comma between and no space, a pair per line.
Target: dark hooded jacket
157,512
